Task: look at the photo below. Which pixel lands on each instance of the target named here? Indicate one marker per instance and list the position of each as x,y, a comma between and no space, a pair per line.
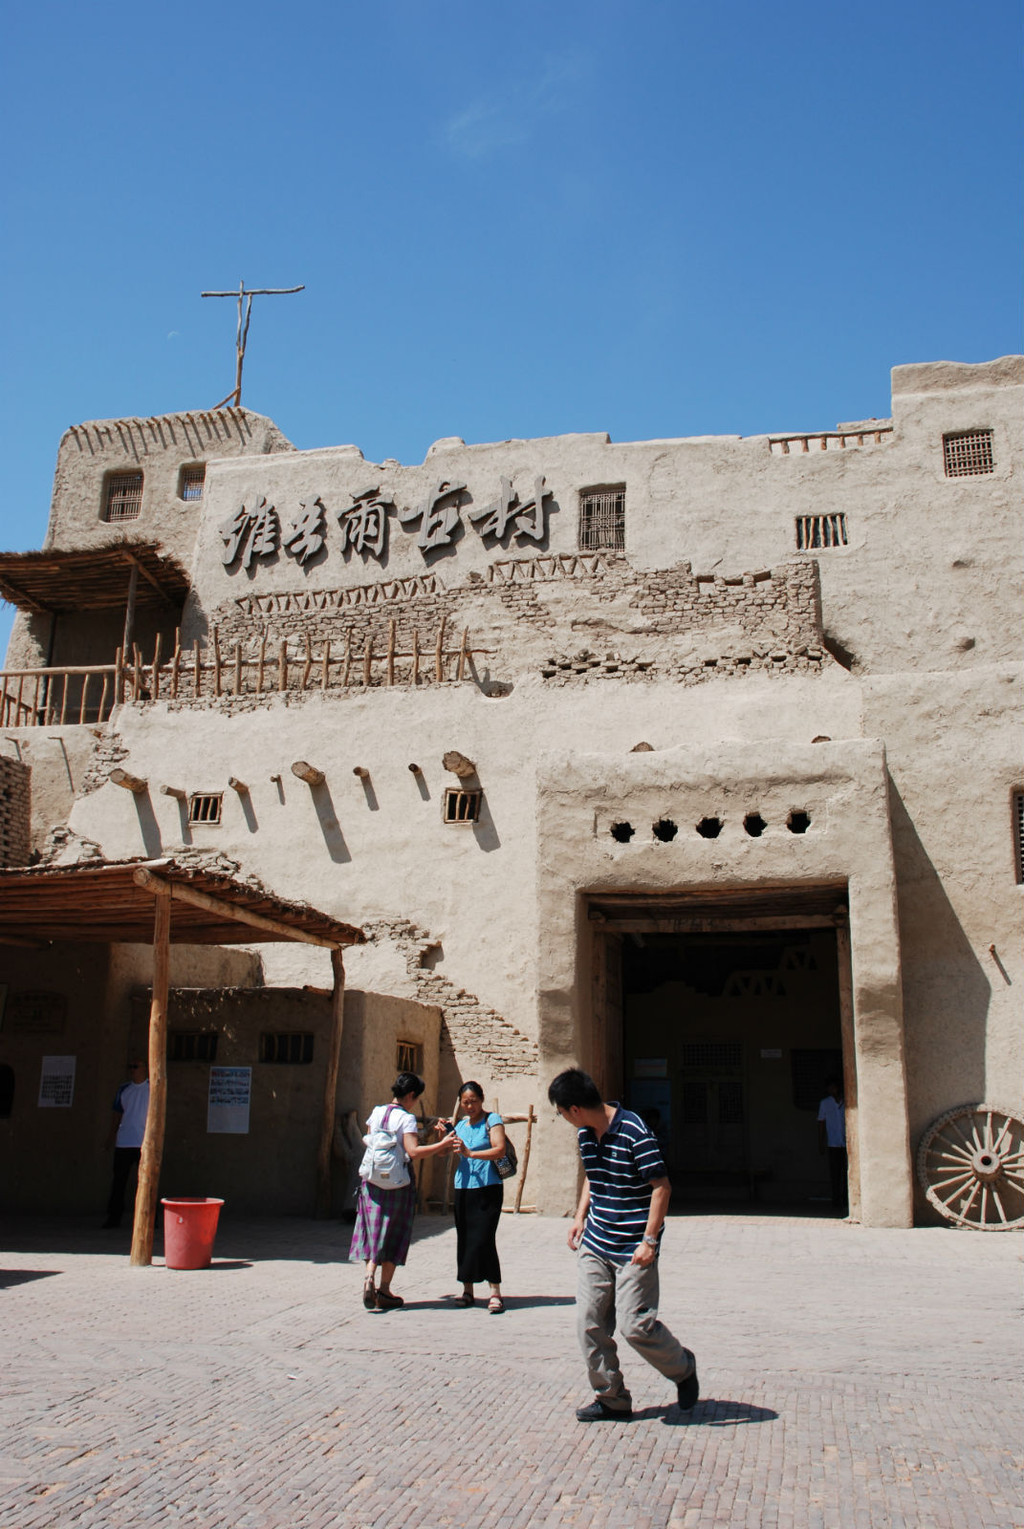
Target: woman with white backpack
386,1201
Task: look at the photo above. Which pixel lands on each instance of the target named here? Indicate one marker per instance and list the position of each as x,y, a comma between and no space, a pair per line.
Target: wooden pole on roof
156,1119
323,1162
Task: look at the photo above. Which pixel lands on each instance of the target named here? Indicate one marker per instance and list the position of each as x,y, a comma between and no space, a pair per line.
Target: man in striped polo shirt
617,1233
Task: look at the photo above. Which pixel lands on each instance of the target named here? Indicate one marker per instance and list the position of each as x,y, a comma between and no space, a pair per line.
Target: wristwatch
652,1242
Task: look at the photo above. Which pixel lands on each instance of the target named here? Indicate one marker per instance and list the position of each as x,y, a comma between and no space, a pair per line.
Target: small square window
292,1047
124,497
205,808
461,806
190,485
968,453
1018,835
814,532
408,1057
603,519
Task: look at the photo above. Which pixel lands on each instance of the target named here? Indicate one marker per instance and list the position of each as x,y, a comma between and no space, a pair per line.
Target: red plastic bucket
190,1225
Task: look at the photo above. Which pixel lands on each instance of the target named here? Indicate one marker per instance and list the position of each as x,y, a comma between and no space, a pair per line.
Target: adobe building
695,762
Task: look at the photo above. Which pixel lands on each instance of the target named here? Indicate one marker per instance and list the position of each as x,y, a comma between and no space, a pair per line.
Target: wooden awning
91,578
112,903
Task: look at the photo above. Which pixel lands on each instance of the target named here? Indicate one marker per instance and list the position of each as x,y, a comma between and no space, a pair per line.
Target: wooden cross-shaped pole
245,296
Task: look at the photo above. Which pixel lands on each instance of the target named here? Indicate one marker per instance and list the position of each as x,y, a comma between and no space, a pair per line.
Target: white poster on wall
227,1111
57,1083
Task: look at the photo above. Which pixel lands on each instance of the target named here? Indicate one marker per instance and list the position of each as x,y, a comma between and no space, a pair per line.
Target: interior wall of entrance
728,1041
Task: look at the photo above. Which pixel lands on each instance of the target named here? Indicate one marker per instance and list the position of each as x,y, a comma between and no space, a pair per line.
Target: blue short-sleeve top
476,1172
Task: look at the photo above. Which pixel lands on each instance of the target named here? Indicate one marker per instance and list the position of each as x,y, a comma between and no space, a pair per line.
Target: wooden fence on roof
83,693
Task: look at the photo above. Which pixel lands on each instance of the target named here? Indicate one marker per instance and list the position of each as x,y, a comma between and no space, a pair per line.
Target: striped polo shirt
619,1170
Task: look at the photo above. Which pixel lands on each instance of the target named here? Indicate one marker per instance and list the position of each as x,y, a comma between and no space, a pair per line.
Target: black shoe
688,1391
600,1412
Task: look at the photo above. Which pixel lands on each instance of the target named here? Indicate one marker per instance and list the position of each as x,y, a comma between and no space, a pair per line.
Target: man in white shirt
131,1106
832,1139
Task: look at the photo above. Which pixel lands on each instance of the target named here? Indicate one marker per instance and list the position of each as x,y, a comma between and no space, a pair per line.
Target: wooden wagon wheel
971,1167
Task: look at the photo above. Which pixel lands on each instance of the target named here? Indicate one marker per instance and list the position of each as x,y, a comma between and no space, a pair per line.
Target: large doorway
727,1042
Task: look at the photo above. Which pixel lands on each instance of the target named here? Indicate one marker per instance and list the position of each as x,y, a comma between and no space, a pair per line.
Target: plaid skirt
383,1223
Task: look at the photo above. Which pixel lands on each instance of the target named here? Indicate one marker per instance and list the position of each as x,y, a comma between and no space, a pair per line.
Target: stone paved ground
850,1377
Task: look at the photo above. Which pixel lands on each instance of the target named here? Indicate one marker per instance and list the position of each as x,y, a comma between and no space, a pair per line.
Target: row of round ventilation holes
709,828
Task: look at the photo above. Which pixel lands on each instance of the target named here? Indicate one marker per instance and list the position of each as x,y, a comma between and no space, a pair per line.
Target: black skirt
477,1214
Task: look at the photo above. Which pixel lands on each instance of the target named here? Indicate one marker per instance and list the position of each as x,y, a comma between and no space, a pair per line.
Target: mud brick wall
15,811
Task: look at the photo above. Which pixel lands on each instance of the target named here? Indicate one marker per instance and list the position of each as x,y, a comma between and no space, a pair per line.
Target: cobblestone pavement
850,1377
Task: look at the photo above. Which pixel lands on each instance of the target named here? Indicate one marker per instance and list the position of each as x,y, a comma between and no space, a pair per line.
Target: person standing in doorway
832,1139
617,1234
127,1128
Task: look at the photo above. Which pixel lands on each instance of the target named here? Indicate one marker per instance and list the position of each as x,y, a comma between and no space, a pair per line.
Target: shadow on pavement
9,1277
710,1412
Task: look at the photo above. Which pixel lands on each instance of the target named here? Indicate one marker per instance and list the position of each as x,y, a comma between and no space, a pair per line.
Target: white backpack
384,1161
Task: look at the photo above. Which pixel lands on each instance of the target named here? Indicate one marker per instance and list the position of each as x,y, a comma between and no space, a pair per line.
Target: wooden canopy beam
225,910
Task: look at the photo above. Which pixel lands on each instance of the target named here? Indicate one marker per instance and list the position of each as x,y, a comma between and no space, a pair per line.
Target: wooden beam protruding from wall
175,791
238,785
459,764
133,783
309,773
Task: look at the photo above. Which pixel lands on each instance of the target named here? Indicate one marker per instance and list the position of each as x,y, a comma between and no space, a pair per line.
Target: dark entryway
728,1040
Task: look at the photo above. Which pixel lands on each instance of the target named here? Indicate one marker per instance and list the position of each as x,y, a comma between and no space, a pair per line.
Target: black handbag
508,1164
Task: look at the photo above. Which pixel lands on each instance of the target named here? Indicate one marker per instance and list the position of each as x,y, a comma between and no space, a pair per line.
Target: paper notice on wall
57,1083
227,1111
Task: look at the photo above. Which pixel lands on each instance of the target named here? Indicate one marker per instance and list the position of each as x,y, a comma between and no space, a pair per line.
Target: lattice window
603,520
717,1056
124,497
190,486
461,807
968,453
192,1046
205,808
294,1047
1018,834
408,1057
815,532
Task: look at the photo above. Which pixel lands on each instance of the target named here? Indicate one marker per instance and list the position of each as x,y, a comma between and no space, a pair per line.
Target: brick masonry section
15,811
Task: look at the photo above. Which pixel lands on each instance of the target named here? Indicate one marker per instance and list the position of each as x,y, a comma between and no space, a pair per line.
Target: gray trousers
627,1294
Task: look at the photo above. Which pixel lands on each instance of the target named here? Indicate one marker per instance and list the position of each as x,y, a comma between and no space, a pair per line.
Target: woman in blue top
478,1196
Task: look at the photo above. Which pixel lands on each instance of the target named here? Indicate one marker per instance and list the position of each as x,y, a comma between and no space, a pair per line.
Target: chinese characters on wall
255,530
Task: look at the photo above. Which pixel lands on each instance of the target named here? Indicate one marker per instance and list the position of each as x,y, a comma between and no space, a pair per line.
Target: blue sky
654,218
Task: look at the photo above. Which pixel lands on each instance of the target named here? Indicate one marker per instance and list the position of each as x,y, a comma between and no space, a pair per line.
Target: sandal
465,1300
370,1295
495,1306
388,1302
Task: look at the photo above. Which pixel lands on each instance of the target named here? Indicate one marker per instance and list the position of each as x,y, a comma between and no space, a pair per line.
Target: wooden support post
282,665
367,659
83,703
238,668
391,651
216,662
325,670
307,668
136,673
348,657
415,655
439,652
323,1165
103,696
530,1118
460,673
153,1141
64,701
197,673
262,664
129,610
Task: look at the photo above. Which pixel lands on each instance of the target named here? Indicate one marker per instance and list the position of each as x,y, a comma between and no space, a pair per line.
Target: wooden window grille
408,1057
461,807
968,453
603,520
1018,835
192,480
124,497
814,532
192,1046
293,1047
205,808
720,1056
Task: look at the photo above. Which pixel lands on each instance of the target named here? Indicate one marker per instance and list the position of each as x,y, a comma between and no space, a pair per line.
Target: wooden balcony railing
83,693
